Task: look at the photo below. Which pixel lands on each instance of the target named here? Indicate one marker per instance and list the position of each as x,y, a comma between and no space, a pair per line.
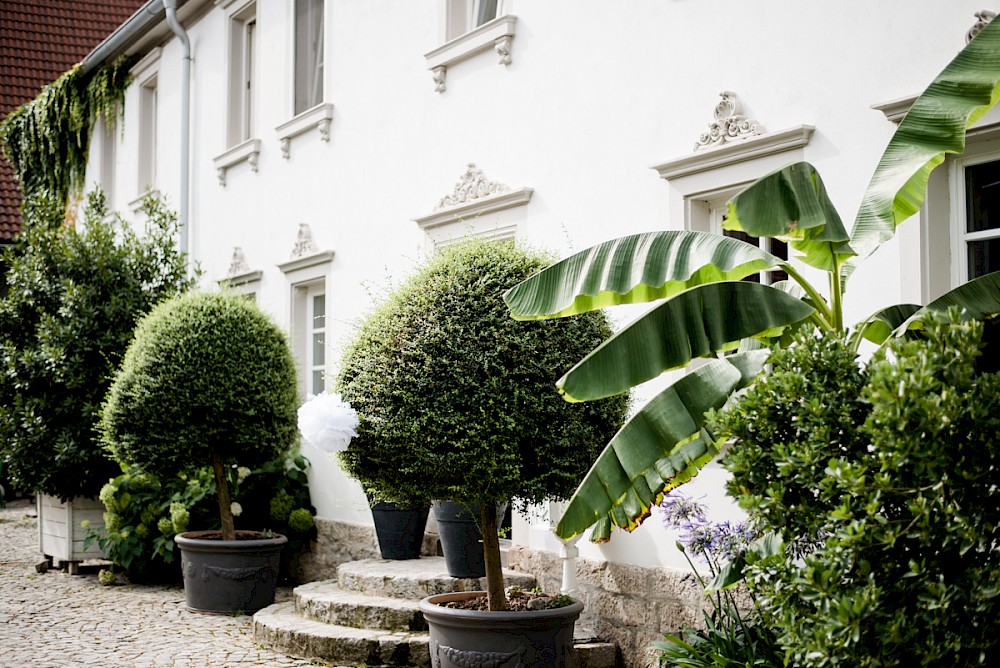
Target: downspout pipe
183,219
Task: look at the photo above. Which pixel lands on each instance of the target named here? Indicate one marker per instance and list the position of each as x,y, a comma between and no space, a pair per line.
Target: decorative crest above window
730,124
471,186
239,264
304,244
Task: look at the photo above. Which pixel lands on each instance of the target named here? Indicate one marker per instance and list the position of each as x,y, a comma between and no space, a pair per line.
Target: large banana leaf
634,269
979,298
880,325
791,204
935,126
695,323
658,448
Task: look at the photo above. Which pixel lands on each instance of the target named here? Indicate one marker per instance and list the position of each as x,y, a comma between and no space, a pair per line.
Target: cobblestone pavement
57,620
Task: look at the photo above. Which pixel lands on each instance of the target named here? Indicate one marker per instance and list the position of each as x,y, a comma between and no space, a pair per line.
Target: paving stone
56,620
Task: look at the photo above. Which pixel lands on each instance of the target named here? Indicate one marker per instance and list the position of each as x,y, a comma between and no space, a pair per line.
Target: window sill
497,34
319,117
247,151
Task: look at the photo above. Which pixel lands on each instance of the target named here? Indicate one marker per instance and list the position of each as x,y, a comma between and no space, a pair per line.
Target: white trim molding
319,117
307,262
474,195
498,34
758,146
248,151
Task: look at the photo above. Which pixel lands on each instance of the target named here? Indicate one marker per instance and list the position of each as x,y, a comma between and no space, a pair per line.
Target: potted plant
208,380
72,298
328,424
455,401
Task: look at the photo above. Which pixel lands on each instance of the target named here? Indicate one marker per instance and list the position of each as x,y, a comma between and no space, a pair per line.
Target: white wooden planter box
60,530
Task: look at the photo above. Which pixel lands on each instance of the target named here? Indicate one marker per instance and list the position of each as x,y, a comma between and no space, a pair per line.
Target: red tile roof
39,40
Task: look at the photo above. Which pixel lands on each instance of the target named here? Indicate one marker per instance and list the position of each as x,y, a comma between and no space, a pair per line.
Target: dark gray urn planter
227,577
463,638
461,539
400,530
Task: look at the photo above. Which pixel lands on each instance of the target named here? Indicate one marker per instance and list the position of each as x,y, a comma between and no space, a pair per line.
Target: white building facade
333,143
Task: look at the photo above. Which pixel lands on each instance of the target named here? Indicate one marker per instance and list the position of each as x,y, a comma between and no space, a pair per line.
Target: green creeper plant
885,496
704,309
454,398
46,139
72,299
208,380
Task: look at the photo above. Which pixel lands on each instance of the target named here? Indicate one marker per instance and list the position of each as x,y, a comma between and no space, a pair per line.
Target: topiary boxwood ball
457,400
208,380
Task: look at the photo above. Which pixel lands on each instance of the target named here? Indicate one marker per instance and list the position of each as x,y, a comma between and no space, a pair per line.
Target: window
466,15
316,354
979,238
147,135
772,246
308,54
243,66
109,139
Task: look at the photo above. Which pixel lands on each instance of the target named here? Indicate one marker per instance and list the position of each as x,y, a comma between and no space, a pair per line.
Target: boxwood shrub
457,400
208,377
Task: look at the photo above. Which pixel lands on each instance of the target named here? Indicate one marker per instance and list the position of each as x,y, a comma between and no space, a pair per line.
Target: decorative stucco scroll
729,125
238,265
471,186
304,244
982,18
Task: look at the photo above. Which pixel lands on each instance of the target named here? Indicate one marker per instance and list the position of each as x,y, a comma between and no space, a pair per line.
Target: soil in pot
229,576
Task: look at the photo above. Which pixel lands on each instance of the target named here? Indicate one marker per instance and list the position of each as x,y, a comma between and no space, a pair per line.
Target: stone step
282,628
326,602
414,579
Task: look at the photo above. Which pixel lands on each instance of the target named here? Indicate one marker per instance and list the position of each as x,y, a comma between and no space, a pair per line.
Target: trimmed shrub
209,380
457,400
73,296
897,520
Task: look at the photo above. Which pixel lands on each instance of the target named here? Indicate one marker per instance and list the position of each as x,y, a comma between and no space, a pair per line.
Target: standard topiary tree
208,380
457,401
72,299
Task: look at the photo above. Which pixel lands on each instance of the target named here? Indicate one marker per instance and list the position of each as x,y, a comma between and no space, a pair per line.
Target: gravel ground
57,620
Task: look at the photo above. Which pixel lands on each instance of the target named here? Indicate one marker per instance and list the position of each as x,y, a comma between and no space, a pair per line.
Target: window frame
960,236
318,69
243,65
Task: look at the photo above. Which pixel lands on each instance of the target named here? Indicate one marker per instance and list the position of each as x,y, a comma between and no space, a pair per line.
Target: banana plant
703,309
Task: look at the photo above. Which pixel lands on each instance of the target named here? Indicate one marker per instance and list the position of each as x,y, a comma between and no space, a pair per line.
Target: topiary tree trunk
491,554
225,501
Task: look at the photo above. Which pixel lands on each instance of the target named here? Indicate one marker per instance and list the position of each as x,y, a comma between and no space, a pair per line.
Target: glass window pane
317,382
319,312
487,11
308,54
984,257
982,188
319,349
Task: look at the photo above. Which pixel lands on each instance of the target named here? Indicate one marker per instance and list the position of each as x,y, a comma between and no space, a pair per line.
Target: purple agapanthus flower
711,542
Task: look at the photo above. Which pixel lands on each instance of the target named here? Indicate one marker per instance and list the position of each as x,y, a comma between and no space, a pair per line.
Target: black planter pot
461,540
227,577
533,639
400,531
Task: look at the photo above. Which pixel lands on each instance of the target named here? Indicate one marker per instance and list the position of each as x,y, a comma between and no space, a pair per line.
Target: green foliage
896,520
704,310
207,373
144,513
73,297
456,400
46,140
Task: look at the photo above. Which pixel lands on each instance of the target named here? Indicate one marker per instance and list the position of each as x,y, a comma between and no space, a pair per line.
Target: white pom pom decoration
327,422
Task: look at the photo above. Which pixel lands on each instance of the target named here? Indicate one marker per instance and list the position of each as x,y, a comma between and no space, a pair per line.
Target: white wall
597,93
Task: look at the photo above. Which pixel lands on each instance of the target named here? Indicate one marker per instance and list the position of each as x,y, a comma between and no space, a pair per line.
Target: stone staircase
369,616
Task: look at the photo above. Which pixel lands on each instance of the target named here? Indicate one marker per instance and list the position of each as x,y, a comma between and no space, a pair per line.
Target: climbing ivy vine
46,140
